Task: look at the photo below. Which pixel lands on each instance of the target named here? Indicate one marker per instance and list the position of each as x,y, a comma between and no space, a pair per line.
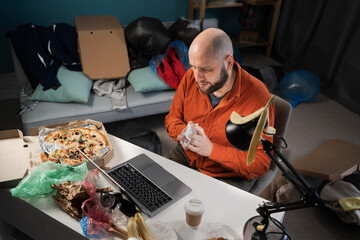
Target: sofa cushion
75,87
99,109
145,80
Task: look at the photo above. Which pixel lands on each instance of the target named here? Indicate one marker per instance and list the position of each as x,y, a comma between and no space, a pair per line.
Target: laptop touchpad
158,175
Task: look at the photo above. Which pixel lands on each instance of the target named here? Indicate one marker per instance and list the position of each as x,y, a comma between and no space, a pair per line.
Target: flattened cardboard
19,155
102,47
331,161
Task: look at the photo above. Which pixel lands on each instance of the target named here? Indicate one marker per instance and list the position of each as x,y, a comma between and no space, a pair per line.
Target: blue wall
46,12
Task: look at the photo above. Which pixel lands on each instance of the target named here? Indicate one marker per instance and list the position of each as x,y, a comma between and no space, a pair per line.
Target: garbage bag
300,86
40,180
145,38
182,30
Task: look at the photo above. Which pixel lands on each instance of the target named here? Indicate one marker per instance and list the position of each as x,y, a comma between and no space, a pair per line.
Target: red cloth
171,70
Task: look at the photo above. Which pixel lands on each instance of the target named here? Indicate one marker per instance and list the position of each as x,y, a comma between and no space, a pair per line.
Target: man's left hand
200,143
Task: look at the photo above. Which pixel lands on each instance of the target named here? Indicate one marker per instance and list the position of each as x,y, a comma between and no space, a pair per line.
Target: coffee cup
194,210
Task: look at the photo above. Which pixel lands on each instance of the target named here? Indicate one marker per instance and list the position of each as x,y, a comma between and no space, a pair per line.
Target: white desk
224,204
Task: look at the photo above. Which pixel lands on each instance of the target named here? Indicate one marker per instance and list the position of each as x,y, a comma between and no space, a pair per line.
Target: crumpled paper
70,196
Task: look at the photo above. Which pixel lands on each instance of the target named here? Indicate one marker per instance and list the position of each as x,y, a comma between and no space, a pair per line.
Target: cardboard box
102,47
333,160
20,154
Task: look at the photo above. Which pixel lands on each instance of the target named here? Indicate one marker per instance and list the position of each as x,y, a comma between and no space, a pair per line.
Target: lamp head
244,132
240,135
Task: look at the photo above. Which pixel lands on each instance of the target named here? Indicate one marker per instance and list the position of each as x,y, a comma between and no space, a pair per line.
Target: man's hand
200,143
182,137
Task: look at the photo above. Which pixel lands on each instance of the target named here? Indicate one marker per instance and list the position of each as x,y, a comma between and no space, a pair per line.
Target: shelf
261,2
224,5
201,6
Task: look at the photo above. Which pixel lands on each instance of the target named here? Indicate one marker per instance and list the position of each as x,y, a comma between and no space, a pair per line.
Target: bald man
209,92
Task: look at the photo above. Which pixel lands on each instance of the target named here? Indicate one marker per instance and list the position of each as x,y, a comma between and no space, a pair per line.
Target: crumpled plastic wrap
94,229
216,230
40,180
97,222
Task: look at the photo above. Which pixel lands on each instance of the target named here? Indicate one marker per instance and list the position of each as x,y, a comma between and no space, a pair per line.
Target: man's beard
223,76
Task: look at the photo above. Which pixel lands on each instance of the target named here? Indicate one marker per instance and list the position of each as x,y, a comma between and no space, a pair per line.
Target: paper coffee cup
194,210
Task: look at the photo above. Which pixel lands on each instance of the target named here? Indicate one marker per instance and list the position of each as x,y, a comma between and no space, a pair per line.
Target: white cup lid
194,207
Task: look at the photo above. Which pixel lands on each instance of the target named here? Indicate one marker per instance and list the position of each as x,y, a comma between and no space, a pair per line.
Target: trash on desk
96,229
139,229
70,197
220,231
40,180
98,221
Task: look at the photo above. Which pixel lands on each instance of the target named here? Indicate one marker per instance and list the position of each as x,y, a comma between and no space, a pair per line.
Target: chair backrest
283,111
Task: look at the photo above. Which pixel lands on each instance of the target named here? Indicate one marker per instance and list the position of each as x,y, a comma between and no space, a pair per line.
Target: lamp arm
309,198
309,194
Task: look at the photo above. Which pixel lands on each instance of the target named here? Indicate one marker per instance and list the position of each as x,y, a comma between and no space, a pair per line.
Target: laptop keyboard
140,187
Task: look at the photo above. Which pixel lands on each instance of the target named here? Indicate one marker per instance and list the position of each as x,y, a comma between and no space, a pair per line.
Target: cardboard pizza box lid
333,160
18,155
102,47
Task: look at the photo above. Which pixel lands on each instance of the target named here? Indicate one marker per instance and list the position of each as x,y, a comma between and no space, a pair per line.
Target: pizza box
101,162
20,154
102,47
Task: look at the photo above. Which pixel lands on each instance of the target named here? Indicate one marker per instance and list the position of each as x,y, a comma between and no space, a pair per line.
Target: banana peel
133,230
138,228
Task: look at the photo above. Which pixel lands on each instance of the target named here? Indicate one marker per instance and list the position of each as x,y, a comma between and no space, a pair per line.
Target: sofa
98,108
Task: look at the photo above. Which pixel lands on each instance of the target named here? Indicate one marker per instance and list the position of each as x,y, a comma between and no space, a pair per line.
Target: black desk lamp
244,133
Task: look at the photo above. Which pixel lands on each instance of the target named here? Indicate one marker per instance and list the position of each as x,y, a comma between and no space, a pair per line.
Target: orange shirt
190,104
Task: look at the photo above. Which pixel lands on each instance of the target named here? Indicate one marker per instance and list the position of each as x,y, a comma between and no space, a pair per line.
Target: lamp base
272,232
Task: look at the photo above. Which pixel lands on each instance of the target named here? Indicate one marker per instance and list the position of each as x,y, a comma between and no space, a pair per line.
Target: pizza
66,143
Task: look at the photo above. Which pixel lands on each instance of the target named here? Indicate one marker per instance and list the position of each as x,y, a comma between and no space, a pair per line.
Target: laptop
146,183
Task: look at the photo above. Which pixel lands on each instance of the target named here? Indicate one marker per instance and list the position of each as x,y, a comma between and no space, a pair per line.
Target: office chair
282,116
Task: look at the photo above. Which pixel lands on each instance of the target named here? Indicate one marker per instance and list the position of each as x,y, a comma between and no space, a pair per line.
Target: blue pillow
75,87
145,80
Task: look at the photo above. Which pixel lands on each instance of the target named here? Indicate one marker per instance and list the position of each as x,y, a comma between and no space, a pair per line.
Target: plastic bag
39,180
97,223
216,230
300,86
145,37
183,30
94,229
162,230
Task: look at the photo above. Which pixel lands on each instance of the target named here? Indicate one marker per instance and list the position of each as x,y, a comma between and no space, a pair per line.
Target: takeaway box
102,47
20,154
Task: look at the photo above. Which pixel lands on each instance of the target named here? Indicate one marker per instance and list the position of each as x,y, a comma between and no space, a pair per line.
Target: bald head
212,42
